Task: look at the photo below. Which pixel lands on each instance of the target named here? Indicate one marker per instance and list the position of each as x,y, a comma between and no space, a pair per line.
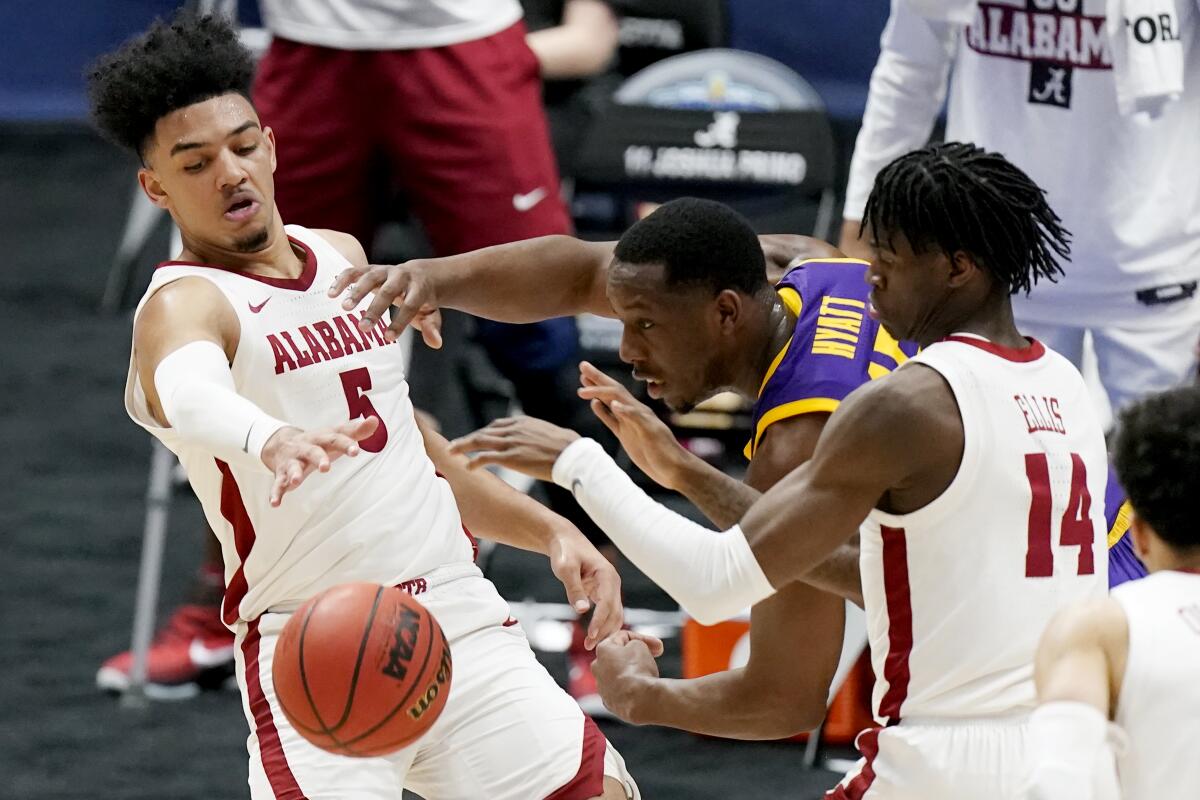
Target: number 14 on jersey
1075,528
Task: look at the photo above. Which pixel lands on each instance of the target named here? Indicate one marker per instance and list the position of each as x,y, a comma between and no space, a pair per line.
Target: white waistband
1019,717
416,585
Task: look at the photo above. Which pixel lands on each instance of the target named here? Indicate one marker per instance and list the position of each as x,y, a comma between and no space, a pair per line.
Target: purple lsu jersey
1123,563
836,347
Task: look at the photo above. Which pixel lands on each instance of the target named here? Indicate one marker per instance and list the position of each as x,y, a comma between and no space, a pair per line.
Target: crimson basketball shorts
458,131
507,729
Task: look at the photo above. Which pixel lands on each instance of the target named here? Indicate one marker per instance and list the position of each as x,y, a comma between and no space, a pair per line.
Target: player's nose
231,174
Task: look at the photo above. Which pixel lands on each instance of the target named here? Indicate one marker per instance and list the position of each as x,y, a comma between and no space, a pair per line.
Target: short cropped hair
171,66
1158,463
700,243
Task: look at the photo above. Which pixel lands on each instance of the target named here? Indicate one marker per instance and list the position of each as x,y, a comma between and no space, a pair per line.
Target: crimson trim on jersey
900,632
234,512
299,284
589,780
868,745
1019,354
270,749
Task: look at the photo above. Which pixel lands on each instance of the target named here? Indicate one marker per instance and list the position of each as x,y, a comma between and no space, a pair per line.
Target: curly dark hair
172,65
956,196
700,243
1158,462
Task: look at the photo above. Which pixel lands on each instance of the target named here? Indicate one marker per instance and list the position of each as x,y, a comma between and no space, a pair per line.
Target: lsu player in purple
835,346
1123,563
699,317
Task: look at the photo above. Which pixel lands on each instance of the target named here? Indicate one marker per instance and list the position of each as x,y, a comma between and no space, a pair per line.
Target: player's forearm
527,281
712,575
580,47
908,86
196,391
725,501
726,704
840,574
489,507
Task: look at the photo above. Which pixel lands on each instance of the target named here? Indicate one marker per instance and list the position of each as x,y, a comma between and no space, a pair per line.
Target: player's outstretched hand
646,438
523,444
624,662
405,288
590,579
293,454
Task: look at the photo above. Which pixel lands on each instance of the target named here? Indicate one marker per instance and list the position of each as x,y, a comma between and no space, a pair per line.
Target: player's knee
613,790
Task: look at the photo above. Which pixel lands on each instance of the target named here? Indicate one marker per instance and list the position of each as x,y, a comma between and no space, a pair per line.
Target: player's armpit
188,310
1081,655
895,442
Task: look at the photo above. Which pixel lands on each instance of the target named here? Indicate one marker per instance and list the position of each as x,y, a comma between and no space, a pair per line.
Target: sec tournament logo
1057,37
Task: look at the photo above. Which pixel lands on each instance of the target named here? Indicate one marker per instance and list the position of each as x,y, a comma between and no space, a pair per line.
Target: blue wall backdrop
46,44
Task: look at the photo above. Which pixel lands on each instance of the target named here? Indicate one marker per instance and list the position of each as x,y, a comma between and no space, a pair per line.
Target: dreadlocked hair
172,65
956,196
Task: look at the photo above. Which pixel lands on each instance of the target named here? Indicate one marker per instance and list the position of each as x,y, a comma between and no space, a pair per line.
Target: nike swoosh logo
254,309
524,202
204,656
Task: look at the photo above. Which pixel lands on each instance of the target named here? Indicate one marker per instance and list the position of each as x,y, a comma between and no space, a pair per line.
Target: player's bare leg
613,790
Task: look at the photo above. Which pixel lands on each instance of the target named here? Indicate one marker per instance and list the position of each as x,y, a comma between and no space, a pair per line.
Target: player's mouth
872,307
654,386
242,209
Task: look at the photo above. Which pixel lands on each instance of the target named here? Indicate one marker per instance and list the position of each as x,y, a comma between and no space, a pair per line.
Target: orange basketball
362,670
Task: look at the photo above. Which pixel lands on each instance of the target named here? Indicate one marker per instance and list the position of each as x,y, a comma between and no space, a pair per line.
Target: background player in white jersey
975,465
245,368
1133,657
1065,90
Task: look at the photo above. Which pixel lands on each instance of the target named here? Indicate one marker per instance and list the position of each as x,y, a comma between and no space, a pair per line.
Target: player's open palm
294,454
646,438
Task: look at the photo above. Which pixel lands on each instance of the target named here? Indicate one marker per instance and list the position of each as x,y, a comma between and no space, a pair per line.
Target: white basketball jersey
958,592
1159,703
383,516
387,24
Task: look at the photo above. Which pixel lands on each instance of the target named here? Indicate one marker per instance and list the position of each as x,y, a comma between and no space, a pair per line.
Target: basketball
362,670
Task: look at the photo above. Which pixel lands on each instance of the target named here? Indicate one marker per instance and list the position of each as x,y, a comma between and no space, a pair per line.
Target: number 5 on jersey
1076,527
356,383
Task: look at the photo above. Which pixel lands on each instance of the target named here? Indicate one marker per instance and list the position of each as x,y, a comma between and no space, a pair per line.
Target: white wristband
1067,747
712,575
197,394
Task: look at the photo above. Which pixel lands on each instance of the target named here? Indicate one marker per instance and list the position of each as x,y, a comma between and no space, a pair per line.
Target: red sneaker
192,650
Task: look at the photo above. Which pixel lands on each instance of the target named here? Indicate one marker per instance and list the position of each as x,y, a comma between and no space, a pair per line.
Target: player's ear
962,268
1140,533
729,305
269,138
153,188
